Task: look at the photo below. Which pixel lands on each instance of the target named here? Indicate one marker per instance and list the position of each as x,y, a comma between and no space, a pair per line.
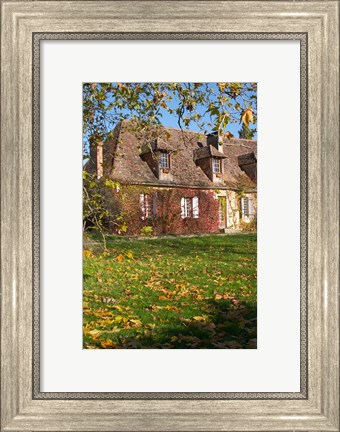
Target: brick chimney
215,140
96,159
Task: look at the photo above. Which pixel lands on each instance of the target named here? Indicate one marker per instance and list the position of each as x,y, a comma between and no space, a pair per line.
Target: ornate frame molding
23,406
302,37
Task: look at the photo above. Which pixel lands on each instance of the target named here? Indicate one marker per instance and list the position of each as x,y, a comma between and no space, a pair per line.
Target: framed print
137,292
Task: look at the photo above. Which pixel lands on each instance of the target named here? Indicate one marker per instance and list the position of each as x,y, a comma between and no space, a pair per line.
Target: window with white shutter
195,208
183,208
145,206
141,206
189,207
247,207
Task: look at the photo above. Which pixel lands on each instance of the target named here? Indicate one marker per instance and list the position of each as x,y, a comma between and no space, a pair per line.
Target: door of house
222,212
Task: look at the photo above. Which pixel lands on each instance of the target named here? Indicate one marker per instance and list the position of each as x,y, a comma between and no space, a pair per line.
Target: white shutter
142,205
195,208
244,207
251,207
183,208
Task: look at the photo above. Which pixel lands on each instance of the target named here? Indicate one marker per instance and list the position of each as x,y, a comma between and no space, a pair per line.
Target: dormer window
217,165
164,161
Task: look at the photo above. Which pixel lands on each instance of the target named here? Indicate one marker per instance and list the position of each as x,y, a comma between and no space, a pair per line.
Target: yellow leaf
89,346
108,344
174,308
198,318
95,333
87,253
128,254
222,86
247,116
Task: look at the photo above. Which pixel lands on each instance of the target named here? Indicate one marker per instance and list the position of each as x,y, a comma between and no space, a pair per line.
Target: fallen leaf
108,344
95,333
120,258
198,318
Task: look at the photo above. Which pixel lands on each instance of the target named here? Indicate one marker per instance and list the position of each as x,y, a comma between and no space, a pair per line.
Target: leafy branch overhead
211,107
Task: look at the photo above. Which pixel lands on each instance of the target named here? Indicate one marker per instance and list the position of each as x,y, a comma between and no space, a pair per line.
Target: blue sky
171,119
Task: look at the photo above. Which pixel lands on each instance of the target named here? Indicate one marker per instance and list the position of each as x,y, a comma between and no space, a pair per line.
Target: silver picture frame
313,23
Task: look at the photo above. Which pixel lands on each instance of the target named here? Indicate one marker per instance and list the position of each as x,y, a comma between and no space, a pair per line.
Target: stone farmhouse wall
175,211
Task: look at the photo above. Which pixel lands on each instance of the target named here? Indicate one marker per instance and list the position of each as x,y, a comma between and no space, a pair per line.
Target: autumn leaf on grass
199,318
94,333
174,308
108,300
154,308
120,318
120,258
128,254
89,346
247,116
135,322
108,344
87,253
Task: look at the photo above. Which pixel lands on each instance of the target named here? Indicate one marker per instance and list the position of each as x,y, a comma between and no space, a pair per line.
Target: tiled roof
184,146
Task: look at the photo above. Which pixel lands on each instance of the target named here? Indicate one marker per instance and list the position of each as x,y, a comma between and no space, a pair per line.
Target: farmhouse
173,181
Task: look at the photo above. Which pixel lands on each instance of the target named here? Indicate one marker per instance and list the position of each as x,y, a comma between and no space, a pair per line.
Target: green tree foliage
246,133
101,211
106,104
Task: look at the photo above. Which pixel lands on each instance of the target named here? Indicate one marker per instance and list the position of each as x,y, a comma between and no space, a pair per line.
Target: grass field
181,292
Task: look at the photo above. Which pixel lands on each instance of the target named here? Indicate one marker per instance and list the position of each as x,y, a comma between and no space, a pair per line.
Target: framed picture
156,311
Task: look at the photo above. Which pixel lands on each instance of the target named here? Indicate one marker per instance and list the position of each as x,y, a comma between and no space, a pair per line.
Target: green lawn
181,292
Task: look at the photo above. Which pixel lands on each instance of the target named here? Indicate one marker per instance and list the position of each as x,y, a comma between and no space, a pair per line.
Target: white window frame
164,160
145,206
195,207
219,165
190,207
247,207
